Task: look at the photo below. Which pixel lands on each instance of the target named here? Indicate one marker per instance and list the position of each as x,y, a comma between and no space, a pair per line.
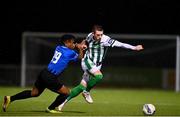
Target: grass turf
107,102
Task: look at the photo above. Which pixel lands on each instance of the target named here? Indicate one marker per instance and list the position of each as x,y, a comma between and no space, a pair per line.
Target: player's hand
139,47
81,46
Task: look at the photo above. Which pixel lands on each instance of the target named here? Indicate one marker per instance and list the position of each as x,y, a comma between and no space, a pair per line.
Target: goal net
155,67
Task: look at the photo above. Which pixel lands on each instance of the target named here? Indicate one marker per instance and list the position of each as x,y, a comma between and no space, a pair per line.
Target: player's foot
52,111
6,102
60,107
87,97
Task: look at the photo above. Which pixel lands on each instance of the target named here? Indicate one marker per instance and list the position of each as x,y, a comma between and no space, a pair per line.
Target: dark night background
125,17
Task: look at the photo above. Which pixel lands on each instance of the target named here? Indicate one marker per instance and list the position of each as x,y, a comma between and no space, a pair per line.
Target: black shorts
48,80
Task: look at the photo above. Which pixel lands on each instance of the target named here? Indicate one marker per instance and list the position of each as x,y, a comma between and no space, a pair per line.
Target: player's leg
89,69
93,79
86,83
74,92
82,86
22,95
95,72
78,89
97,76
53,83
36,91
85,93
63,94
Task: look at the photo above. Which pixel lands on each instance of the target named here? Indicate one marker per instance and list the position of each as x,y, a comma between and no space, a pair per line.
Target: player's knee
35,93
67,92
64,90
99,77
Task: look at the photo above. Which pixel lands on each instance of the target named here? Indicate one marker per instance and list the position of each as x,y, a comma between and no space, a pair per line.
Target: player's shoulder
89,36
69,52
60,47
64,49
105,38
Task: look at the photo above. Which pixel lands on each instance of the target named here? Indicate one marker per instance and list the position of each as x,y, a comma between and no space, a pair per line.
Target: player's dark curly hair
66,37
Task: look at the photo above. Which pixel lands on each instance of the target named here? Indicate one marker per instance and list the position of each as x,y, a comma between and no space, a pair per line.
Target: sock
59,99
93,81
75,91
22,95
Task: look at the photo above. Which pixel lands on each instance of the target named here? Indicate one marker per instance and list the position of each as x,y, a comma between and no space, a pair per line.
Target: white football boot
87,97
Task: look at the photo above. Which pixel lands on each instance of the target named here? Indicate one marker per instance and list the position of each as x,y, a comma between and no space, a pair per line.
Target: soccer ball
149,109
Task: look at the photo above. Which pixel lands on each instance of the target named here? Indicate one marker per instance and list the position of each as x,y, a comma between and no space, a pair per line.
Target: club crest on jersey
110,41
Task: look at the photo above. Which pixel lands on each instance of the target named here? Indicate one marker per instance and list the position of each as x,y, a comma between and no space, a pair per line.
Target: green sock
93,81
76,91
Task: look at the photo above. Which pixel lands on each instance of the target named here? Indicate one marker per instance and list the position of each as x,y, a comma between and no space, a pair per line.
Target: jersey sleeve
89,37
114,43
123,45
107,41
74,56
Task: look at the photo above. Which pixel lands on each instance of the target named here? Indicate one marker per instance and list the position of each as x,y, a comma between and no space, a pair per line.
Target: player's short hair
97,28
66,37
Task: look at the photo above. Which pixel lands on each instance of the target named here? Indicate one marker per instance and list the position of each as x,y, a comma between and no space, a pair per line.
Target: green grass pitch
107,102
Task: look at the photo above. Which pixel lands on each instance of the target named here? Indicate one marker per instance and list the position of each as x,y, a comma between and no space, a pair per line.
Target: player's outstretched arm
127,46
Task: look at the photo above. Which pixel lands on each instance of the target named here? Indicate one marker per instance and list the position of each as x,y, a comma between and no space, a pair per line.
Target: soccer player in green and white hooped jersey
92,62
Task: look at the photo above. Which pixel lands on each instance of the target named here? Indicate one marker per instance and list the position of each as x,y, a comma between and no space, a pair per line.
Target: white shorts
89,68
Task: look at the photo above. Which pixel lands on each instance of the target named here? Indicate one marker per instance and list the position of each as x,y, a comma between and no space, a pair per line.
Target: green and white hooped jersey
94,54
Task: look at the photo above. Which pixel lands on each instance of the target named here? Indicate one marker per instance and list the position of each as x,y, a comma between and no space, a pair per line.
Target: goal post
177,64
26,35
